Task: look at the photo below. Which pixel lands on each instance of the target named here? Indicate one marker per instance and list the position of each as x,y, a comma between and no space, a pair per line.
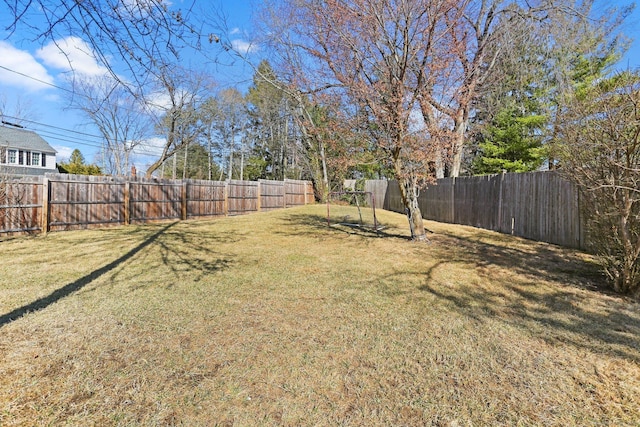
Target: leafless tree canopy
599,146
121,119
139,34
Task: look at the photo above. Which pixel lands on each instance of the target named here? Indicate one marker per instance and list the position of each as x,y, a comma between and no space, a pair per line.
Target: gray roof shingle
23,139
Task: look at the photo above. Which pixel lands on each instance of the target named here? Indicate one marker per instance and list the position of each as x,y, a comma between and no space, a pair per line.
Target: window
3,155
21,157
35,159
28,158
13,156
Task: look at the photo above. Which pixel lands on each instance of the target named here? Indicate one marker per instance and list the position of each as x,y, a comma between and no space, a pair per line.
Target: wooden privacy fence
536,205
66,202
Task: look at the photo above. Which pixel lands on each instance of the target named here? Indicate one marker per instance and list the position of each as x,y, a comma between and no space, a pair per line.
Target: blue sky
31,89
32,81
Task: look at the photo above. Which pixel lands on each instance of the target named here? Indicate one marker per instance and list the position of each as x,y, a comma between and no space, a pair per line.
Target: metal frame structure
355,193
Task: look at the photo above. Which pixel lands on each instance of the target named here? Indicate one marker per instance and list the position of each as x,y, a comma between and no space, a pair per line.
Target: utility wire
35,79
148,148
145,105
54,127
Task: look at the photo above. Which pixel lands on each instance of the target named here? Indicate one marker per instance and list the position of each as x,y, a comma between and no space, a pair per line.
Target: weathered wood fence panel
296,192
272,195
541,206
20,206
377,189
154,201
79,202
206,198
476,201
242,197
438,201
66,202
536,205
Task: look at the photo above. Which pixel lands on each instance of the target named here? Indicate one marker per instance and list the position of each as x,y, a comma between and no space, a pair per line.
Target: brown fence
21,205
536,205
67,202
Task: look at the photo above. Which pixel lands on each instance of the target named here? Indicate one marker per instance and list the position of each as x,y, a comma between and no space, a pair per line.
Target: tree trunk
460,127
439,165
209,171
184,166
173,174
409,192
325,175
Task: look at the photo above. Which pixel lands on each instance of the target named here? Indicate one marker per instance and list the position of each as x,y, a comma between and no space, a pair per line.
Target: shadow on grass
188,251
72,287
319,223
565,309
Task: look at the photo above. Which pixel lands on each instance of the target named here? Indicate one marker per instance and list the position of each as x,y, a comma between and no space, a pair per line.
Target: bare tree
232,119
120,118
378,54
271,110
16,111
209,116
176,105
599,148
482,35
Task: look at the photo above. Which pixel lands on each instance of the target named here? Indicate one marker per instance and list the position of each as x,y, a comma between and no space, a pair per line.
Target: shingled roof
23,139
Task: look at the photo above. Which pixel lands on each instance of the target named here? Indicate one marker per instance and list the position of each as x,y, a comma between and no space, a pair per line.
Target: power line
61,138
145,147
35,79
43,129
54,127
145,105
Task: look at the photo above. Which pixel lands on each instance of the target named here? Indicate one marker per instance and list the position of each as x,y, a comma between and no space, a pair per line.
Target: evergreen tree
512,142
77,165
191,162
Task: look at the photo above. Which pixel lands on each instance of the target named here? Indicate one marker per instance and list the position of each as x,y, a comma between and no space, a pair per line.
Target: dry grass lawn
276,319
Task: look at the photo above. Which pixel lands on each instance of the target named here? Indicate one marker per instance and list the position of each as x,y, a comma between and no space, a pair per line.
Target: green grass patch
276,319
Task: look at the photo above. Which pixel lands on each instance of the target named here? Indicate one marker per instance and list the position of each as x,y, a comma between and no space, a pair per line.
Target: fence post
259,195
225,203
305,192
45,205
284,194
127,202
183,214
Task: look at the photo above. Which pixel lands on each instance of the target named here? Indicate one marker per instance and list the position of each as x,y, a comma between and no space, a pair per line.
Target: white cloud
158,102
236,30
71,54
150,147
244,47
22,62
64,153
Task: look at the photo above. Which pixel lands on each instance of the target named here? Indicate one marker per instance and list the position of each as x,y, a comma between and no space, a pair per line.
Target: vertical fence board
295,192
242,197
21,205
272,195
66,202
535,205
205,198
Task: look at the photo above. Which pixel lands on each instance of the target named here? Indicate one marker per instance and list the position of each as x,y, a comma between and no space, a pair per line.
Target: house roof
23,139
